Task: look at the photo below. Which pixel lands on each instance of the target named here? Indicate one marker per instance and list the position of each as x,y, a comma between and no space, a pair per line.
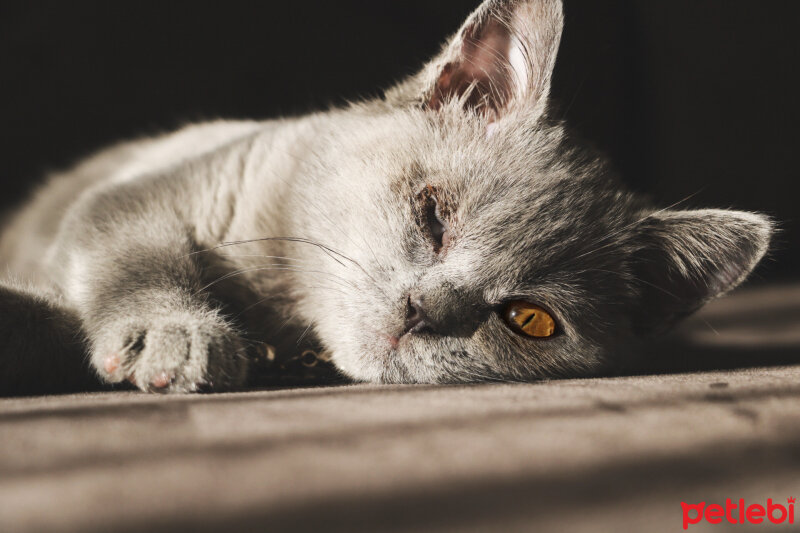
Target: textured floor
574,455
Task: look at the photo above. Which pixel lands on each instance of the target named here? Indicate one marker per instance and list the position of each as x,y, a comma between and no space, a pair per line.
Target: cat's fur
325,240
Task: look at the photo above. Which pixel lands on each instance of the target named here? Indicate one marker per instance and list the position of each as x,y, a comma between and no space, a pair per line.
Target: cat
451,230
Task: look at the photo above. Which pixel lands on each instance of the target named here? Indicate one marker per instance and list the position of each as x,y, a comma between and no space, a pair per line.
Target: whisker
366,243
261,256
274,267
303,335
712,328
265,298
633,224
637,279
328,250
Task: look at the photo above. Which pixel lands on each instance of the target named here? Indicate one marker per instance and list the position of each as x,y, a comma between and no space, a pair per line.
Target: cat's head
478,241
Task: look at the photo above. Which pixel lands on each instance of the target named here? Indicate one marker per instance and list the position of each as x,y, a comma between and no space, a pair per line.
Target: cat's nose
417,319
443,311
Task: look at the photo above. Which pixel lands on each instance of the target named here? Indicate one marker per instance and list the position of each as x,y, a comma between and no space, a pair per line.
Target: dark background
689,97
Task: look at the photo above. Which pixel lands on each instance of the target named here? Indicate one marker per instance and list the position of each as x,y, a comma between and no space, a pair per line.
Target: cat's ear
501,58
686,258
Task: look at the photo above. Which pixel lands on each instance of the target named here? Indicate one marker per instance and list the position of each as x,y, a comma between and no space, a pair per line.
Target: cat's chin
382,358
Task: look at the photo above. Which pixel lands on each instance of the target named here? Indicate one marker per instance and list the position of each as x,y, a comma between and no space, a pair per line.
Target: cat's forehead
528,183
549,227
524,189
517,218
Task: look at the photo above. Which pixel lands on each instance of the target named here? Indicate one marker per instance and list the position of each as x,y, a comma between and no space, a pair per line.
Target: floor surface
609,454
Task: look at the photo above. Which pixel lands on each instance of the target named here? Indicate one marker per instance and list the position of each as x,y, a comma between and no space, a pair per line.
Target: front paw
174,353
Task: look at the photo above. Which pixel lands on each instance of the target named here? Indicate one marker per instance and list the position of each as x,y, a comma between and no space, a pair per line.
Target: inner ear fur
502,58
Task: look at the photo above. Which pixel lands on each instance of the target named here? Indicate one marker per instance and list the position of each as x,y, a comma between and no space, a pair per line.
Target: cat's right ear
686,258
500,60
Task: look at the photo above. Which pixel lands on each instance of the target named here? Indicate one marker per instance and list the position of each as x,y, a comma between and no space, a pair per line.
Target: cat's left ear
686,258
502,58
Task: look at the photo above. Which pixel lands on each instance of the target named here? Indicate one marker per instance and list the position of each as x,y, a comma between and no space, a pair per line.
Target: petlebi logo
738,512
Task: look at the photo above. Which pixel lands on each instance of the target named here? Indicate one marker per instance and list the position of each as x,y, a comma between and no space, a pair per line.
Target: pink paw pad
162,380
111,363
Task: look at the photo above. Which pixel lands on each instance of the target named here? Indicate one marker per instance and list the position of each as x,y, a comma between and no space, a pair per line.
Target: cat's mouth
394,340
392,343
404,336
397,340
393,359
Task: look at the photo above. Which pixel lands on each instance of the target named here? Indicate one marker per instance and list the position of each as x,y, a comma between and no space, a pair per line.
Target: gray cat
449,231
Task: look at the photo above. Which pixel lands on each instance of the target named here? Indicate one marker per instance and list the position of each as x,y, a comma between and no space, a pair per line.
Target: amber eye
530,320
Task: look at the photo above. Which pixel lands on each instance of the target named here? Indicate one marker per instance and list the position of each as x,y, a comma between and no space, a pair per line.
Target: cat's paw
171,353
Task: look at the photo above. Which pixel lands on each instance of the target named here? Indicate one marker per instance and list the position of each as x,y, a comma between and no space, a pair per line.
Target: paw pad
111,363
162,380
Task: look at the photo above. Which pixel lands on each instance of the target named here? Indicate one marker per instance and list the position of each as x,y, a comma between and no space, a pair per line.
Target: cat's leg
163,341
149,322
42,346
131,267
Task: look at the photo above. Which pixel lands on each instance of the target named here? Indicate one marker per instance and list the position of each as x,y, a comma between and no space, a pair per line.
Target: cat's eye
433,219
529,320
437,227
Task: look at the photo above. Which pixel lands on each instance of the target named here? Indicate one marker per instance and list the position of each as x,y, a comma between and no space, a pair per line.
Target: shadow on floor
752,328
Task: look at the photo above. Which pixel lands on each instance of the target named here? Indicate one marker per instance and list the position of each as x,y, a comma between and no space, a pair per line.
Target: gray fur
178,253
